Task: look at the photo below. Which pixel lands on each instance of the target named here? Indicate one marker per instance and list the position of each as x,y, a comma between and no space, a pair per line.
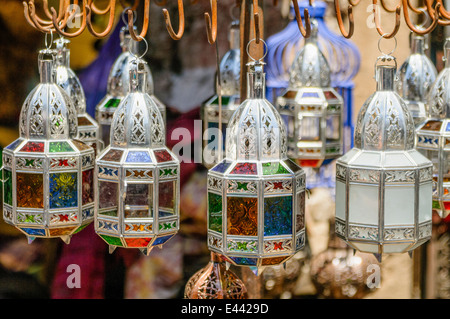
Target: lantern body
118,86
415,78
256,195
311,109
137,177
230,68
383,185
48,190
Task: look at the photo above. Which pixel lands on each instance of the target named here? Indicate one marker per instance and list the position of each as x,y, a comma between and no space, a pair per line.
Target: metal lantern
311,109
433,136
383,185
88,128
137,176
256,195
229,69
215,281
48,176
118,85
415,78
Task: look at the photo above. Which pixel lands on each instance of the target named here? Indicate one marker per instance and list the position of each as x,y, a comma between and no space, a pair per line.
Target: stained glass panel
33,147
166,195
221,167
108,194
88,187
30,190
112,155
7,187
162,156
138,157
274,168
215,212
14,144
242,216
57,147
63,190
300,213
245,169
161,240
112,103
278,215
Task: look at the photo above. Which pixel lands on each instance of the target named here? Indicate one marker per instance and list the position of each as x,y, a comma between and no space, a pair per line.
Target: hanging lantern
311,109
117,87
215,282
48,176
256,195
415,78
433,136
88,128
383,185
137,176
229,69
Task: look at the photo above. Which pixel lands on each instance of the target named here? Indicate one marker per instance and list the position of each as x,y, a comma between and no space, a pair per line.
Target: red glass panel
137,242
245,168
33,147
162,156
309,163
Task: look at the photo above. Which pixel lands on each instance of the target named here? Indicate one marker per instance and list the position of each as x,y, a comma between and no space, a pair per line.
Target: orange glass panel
30,190
242,216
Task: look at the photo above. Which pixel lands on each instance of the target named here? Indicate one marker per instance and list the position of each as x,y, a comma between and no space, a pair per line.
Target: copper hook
89,9
30,16
256,21
351,22
377,22
96,10
354,2
442,10
413,28
211,27
306,30
140,36
161,3
173,35
39,23
59,28
432,12
63,5
134,6
385,7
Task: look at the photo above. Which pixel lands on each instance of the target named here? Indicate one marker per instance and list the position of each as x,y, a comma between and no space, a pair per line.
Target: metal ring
427,18
123,15
264,51
146,48
379,41
47,46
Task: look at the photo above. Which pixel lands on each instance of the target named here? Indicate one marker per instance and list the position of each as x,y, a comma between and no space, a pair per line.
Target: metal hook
306,30
112,3
133,7
173,35
32,19
160,3
89,9
351,21
377,22
385,7
211,27
60,28
131,28
420,31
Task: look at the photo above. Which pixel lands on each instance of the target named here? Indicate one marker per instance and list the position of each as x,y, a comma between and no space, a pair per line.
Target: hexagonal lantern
48,188
415,78
256,195
229,68
383,185
311,109
88,128
118,86
433,136
137,176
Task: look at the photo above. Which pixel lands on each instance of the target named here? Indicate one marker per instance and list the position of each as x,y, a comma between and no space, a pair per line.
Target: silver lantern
415,78
137,176
256,195
311,108
433,136
118,85
383,185
48,188
229,75
88,128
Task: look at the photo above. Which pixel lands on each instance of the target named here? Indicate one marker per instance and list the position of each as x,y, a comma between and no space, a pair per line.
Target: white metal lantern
415,78
118,85
229,69
256,195
383,185
137,175
88,128
48,189
311,108
433,136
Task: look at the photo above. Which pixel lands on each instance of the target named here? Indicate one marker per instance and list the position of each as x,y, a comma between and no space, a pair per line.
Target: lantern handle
143,54
385,57
304,30
351,21
264,54
145,24
179,34
211,27
89,9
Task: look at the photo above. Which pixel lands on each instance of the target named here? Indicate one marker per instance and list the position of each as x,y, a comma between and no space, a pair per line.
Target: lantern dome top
137,122
256,130
48,112
439,96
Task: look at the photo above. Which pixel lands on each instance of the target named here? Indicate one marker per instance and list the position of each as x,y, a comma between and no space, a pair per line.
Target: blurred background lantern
383,185
88,128
433,136
215,281
415,77
48,190
229,75
138,177
256,195
118,86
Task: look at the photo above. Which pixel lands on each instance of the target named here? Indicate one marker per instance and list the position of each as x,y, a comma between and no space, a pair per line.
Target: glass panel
363,204
14,144
215,212
139,201
245,168
161,240
57,147
63,190
108,198
88,187
33,147
221,167
278,215
162,156
300,214
83,121
30,190
166,197
309,129
432,126
138,157
80,145
290,125
112,103
274,168
7,187
310,94
112,155
398,206
329,95
242,214
333,129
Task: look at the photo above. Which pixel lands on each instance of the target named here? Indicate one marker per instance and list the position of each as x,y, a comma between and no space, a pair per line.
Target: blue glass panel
244,261
138,157
310,94
161,240
448,127
34,231
278,215
14,144
212,141
221,167
63,190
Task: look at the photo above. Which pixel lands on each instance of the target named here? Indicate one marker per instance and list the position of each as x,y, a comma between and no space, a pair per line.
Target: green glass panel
112,213
215,212
80,229
225,100
7,195
436,205
112,103
58,147
274,168
112,240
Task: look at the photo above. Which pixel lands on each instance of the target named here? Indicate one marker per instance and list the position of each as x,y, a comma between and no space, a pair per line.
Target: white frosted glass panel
367,248
363,204
394,159
419,158
395,248
368,159
349,155
340,200
399,205
425,202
